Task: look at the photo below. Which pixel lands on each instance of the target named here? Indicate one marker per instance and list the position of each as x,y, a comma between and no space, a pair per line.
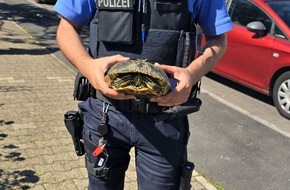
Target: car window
278,32
242,12
282,8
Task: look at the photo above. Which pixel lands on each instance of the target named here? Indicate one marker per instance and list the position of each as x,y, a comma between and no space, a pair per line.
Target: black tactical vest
157,30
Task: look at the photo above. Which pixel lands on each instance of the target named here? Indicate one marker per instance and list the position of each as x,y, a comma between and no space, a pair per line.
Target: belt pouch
117,22
83,89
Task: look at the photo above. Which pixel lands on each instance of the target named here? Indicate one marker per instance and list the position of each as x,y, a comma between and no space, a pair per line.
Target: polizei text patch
115,4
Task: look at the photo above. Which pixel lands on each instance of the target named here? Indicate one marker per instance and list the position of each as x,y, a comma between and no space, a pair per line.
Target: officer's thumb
166,68
120,58
112,60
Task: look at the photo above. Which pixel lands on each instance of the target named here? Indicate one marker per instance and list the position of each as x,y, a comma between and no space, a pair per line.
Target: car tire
281,94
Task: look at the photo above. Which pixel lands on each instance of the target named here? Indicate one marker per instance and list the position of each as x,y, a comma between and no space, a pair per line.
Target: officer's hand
97,76
181,92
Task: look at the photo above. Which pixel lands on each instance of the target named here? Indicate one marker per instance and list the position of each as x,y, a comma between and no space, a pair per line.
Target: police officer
149,29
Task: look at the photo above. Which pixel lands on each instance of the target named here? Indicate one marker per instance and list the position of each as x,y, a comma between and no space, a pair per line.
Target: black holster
74,124
191,106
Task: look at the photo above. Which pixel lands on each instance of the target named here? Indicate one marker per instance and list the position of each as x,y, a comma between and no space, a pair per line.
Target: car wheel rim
284,95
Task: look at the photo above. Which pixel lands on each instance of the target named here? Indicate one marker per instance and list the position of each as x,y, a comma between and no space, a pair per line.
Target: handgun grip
74,125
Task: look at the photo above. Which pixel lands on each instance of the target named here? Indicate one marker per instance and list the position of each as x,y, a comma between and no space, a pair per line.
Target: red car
258,54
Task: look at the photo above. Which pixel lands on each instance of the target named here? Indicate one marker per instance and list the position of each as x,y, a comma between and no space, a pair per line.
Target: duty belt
141,105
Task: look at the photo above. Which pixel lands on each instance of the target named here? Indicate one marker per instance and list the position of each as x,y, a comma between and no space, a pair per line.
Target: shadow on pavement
15,179
16,51
39,22
34,19
14,88
18,179
249,92
9,179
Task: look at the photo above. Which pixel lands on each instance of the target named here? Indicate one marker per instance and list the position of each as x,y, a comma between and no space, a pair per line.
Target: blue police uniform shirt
212,22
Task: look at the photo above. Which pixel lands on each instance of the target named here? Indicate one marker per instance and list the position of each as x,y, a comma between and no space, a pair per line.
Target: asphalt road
235,149
238,139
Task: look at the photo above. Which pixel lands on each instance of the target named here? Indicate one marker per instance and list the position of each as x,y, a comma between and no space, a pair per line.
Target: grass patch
215,184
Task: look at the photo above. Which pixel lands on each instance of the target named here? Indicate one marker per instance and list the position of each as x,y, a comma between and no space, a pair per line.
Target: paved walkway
36,151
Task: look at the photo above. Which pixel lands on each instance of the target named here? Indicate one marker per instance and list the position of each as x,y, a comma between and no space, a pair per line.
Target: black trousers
160,148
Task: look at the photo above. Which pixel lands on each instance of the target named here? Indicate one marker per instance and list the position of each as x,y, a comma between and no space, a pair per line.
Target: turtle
139,78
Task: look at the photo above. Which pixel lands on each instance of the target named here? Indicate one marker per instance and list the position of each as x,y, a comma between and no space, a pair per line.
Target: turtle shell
139,78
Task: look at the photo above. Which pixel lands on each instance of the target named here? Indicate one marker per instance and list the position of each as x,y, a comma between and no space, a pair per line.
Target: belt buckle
139,105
